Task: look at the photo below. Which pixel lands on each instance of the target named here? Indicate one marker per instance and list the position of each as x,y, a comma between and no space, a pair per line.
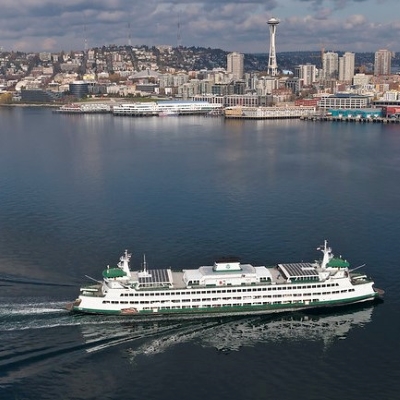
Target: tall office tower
383,62
235,65
272,65
306,72
330,65
346,67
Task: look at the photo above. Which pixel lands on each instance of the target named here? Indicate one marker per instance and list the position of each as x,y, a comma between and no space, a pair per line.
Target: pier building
344,100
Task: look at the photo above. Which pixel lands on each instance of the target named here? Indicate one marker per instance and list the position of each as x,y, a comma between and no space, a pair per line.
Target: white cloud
231,25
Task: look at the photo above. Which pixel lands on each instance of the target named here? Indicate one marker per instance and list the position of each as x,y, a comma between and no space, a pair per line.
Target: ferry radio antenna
272,65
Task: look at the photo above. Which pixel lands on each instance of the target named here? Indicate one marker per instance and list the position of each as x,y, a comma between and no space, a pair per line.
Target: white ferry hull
96,306
211,313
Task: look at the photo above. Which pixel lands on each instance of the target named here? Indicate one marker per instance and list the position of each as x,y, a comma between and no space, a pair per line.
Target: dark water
75,191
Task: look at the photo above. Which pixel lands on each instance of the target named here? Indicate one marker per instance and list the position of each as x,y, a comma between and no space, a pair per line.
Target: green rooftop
338,263
113,273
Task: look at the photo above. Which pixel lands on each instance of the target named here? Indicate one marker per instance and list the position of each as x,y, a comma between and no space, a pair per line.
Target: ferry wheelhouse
226,288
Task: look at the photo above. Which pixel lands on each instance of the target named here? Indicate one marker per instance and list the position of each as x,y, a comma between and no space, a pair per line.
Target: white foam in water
42,315
22,316
32,308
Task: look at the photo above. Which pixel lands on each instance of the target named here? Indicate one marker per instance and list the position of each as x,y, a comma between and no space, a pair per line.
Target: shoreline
44,105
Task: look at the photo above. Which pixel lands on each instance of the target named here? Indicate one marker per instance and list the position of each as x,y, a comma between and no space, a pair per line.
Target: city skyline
336,25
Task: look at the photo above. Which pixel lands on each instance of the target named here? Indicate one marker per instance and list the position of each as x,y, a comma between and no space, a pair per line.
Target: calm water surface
75,191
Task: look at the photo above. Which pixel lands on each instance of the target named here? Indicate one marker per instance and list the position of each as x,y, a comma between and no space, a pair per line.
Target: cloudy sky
344,25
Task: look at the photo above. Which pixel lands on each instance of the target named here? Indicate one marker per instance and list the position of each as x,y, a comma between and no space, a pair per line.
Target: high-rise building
235,65
306,72
272,64
383,62
330,65
346,67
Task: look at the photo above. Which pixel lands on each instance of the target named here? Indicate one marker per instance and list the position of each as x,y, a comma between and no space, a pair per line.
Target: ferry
85,108
226,288
163,108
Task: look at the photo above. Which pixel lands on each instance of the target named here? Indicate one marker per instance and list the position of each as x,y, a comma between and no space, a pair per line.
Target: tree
6,98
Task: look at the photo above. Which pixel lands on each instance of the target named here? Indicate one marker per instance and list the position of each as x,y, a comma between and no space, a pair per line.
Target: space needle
272,65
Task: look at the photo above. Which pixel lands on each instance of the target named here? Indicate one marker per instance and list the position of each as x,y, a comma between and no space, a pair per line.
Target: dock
361,120
286,112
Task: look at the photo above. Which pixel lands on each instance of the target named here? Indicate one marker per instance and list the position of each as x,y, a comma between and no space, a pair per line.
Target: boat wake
31,308
39,335
9,280
32,315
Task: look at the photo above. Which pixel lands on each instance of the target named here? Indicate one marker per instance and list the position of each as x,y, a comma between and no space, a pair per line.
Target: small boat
227,287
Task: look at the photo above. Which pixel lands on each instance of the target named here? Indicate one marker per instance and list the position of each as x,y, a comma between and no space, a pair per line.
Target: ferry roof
155,277
298,270
246,269
338,263
113,273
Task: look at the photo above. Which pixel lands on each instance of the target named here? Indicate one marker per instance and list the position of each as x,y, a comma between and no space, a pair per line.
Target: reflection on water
225,334
36,335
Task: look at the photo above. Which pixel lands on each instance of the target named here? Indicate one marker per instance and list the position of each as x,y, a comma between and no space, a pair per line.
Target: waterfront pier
286,112
361,120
